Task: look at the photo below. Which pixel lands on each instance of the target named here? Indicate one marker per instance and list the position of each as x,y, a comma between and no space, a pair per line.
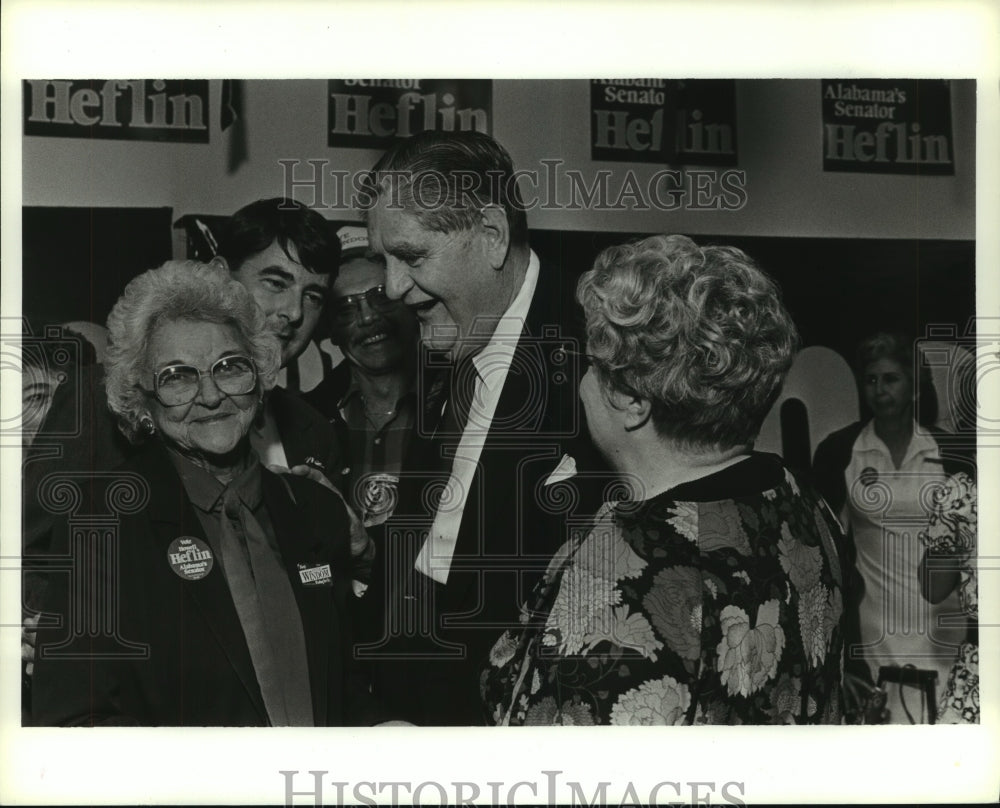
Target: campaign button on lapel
190,558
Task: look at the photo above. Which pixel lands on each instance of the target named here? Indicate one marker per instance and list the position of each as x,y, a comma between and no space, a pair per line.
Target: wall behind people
881,249
779,130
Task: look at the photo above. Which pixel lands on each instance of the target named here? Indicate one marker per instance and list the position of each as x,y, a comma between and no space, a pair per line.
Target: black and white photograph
364,420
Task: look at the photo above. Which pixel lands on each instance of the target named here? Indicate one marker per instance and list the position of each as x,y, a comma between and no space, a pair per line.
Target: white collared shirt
888,508
492,364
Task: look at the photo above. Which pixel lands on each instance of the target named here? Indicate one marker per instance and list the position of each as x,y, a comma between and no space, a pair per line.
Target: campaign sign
140,109
676,122
887,126
374,113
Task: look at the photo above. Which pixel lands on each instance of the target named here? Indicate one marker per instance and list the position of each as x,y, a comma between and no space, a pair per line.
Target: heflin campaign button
190,558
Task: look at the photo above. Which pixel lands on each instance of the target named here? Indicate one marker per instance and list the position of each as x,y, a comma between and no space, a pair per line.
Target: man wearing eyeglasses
370,396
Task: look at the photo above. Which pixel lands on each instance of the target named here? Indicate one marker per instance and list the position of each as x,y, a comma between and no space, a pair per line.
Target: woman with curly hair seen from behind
711,594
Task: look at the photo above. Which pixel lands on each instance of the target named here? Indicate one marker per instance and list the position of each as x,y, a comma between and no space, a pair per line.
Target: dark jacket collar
172,515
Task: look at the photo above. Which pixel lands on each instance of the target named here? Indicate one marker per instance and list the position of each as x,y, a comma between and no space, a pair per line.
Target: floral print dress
951,531
674,611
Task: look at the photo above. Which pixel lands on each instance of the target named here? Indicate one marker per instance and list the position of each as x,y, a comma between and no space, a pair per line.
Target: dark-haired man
286,256
474,527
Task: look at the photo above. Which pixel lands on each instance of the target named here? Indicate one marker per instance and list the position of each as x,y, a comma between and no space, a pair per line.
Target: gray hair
700,332
446,178
894,345
178,290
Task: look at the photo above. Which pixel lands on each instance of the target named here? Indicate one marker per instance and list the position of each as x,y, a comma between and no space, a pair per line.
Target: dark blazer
427,642
80,434
307,435
326,395
196,667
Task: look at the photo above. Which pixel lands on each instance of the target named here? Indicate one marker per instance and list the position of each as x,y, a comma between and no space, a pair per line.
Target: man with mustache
370,397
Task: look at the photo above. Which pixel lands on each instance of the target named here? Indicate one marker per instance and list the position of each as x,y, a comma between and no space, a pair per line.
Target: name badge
320,575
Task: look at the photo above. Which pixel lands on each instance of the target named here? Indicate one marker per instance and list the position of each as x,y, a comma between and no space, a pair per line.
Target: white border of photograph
500,40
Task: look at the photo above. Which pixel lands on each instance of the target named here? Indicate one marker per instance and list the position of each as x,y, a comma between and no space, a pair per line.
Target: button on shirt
258,582
376,453
492,364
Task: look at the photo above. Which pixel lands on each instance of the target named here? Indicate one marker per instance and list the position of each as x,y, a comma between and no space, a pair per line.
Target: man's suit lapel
294,432
173,515
529,366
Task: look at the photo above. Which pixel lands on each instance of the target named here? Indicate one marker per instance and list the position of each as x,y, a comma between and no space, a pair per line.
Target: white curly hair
178,290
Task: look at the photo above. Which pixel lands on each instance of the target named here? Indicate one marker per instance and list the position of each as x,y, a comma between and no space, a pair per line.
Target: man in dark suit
476,523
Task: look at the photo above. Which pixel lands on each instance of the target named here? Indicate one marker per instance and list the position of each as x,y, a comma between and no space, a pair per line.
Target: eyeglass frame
586,359
210,372
354,301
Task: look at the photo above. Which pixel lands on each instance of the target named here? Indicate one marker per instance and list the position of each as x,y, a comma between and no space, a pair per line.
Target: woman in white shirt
880,476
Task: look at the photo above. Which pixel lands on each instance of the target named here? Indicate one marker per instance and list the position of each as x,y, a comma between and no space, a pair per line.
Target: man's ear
219,261
638,411
493,220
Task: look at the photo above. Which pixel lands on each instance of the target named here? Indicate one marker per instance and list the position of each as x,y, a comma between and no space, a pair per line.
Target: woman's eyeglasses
345,308
179,384
586,360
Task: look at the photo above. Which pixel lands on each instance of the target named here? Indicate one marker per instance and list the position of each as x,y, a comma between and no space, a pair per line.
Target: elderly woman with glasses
710,594
220,596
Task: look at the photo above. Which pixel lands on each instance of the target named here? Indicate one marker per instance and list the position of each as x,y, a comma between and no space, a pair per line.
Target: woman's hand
303,470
